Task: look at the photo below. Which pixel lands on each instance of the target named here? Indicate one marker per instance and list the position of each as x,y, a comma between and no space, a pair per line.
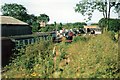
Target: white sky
57,10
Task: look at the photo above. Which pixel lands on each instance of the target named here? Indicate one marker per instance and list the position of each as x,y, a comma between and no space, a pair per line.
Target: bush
81,38
114,24
35,61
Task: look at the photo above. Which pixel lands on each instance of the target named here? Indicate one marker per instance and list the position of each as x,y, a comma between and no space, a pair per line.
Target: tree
43,18
20,12
113,24
61,24
117,9
87,7
15,10
78,25
32,21
31,18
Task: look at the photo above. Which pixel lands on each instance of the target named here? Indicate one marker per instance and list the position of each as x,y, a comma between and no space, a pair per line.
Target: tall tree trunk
106,11
108,16
109,11
103,7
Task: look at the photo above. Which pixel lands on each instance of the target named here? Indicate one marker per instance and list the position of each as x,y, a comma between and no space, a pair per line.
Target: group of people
58,35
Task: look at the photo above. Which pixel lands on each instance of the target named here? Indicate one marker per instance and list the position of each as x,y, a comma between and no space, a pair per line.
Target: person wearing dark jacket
70,36
53,35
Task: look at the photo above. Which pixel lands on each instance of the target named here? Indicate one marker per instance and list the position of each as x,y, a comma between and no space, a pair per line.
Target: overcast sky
57,10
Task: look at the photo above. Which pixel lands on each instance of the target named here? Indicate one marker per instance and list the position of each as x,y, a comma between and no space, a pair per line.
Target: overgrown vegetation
114,24
34,61
86,57
95,58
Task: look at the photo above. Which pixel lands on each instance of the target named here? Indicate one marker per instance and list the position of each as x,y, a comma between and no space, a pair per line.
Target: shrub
35,62
114,24
81,38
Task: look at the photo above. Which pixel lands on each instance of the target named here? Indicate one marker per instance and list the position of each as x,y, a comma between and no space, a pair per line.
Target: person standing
70,36
53,36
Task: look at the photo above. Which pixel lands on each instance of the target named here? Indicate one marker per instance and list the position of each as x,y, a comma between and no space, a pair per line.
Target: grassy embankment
85,57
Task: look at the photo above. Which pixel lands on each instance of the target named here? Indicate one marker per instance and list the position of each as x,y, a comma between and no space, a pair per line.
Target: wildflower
27,75
37,65
6,76
33,74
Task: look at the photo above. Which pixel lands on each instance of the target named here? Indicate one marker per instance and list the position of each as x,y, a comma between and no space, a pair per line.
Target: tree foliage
75,25
32,21
15,10
114,24
87,7
117,8
20,12
44,18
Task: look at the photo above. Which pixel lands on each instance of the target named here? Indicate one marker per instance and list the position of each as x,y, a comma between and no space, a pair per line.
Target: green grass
95,58
86,57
